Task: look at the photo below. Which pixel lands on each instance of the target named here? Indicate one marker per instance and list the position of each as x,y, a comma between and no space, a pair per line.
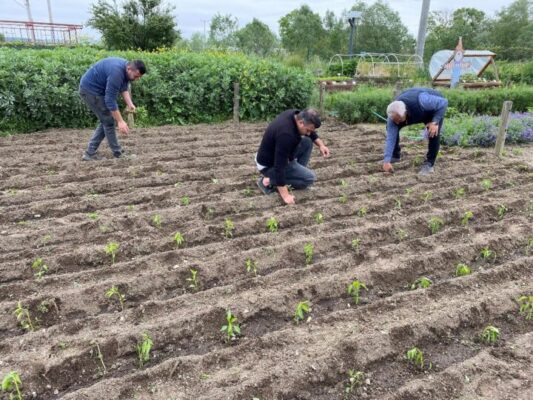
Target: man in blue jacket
99,89
413,106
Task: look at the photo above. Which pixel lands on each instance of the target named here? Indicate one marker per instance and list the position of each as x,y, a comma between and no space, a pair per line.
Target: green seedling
467,216
518,152
354,290
459,193
490,334
319,218
98,354
11,384
39,268
427,196
398,203
502,210
143,349
529,245
462,270
24,317
343,199
409,191
130,207
302,308
343,183
121,297
308,251
194,283
486,184
421,283
184,201
247,192
251,266
416,357
356,245
526,306
156,221
179,239
417,161
44,306
111,249
401,234
355,379
231,328
272,224
435,224
93,215
214,181
229,227
362,212
486,254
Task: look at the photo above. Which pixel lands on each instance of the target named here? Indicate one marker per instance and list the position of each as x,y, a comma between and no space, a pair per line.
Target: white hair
397,107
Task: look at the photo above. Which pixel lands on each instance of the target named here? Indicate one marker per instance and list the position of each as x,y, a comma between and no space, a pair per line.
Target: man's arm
322,147
281,160
110,98
127,99
390,141
435,104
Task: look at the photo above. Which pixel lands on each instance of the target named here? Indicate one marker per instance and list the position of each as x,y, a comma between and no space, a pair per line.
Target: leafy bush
513,72
39,88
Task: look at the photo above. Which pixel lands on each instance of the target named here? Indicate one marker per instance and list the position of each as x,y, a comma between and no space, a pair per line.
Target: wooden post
129,113
504,123
236,104
321,98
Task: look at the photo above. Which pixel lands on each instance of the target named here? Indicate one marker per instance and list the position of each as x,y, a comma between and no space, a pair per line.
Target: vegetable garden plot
70,232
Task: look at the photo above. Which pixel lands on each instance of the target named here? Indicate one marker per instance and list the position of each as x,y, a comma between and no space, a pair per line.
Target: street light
353,17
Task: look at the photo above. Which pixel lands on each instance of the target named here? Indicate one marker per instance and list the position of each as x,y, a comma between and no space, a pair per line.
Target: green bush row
512,72
39,88
363,104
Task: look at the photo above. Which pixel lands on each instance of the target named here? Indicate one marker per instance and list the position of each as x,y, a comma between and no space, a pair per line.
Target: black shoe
265,189
88,157
394,160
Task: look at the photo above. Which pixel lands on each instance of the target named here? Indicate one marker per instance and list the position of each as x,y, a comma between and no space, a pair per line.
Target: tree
256,38
141,24
301,31
222,31
196,42
336,38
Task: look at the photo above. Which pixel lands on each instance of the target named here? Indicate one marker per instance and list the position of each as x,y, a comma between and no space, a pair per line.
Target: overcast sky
191,15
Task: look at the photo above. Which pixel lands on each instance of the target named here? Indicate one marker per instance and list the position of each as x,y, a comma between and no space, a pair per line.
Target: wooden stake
129,113
504,123
321,98
236,104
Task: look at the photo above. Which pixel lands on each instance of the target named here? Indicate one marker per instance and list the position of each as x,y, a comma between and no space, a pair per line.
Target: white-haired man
414,106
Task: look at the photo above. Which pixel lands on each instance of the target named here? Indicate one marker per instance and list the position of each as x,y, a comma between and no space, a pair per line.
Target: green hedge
39,88
512,72
360,105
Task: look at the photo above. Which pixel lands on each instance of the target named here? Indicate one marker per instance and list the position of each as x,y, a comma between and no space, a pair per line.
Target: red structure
43,33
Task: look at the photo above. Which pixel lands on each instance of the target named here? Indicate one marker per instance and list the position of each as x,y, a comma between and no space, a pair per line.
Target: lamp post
353,17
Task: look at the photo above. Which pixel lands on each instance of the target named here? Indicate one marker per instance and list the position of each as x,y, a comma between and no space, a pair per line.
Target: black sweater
279,144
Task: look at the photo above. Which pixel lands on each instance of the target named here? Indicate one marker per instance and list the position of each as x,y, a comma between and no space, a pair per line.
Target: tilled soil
58,208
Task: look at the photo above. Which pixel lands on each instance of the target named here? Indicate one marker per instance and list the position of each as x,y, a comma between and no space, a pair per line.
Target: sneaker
87,157
265,189
426,168
125,155
394,160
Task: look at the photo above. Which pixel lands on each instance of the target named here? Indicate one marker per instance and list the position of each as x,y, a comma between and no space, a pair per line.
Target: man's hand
433,129
131,108
324,150
123,128
387,167
285,195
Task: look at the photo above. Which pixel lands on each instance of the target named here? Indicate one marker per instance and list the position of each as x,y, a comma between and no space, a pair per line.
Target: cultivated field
374,229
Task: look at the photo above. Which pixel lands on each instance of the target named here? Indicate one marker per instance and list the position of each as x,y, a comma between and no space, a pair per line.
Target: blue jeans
296,173
106,126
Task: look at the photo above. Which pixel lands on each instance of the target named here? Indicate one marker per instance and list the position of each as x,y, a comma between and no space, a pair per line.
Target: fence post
504,123
236,102
129,113
321,98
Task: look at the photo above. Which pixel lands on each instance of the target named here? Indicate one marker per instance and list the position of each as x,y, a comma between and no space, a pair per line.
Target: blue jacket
106,78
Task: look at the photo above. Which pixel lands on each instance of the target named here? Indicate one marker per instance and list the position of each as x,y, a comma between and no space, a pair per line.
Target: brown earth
47,193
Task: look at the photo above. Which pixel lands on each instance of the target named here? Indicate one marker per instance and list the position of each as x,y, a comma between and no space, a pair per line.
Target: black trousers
433,146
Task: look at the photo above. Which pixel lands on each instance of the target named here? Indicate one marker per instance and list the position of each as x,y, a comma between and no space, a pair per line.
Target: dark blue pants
433,146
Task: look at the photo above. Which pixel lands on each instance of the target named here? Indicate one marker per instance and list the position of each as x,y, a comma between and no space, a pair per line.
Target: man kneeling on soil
416,105
285,151
99,89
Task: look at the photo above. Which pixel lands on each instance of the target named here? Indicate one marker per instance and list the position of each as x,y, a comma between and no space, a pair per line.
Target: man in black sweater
285,151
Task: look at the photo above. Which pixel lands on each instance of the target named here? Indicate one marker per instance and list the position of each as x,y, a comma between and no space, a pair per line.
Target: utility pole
51,19
353,16
422,28
26,5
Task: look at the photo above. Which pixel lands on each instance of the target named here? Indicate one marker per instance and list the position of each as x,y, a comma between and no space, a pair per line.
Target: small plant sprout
215,181
490,334
24,317
486,254
229,227
459,193
11,384
462,270
467,216
115,292
194,284
185,201
421,283
416,357
156,221
93,215
398,203
343,199
529,245
435,224
526,306
319,218
343,183
502,210
247,192
486,184
231,328
409,191
272,224
401,234
143,349
111,249
356,245
179,239
98,354
362,212
355,379
354,290
302,308
39,268
308,251
251,266
427,196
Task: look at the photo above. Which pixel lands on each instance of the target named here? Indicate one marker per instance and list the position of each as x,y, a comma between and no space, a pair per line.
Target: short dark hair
138,65
310,116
